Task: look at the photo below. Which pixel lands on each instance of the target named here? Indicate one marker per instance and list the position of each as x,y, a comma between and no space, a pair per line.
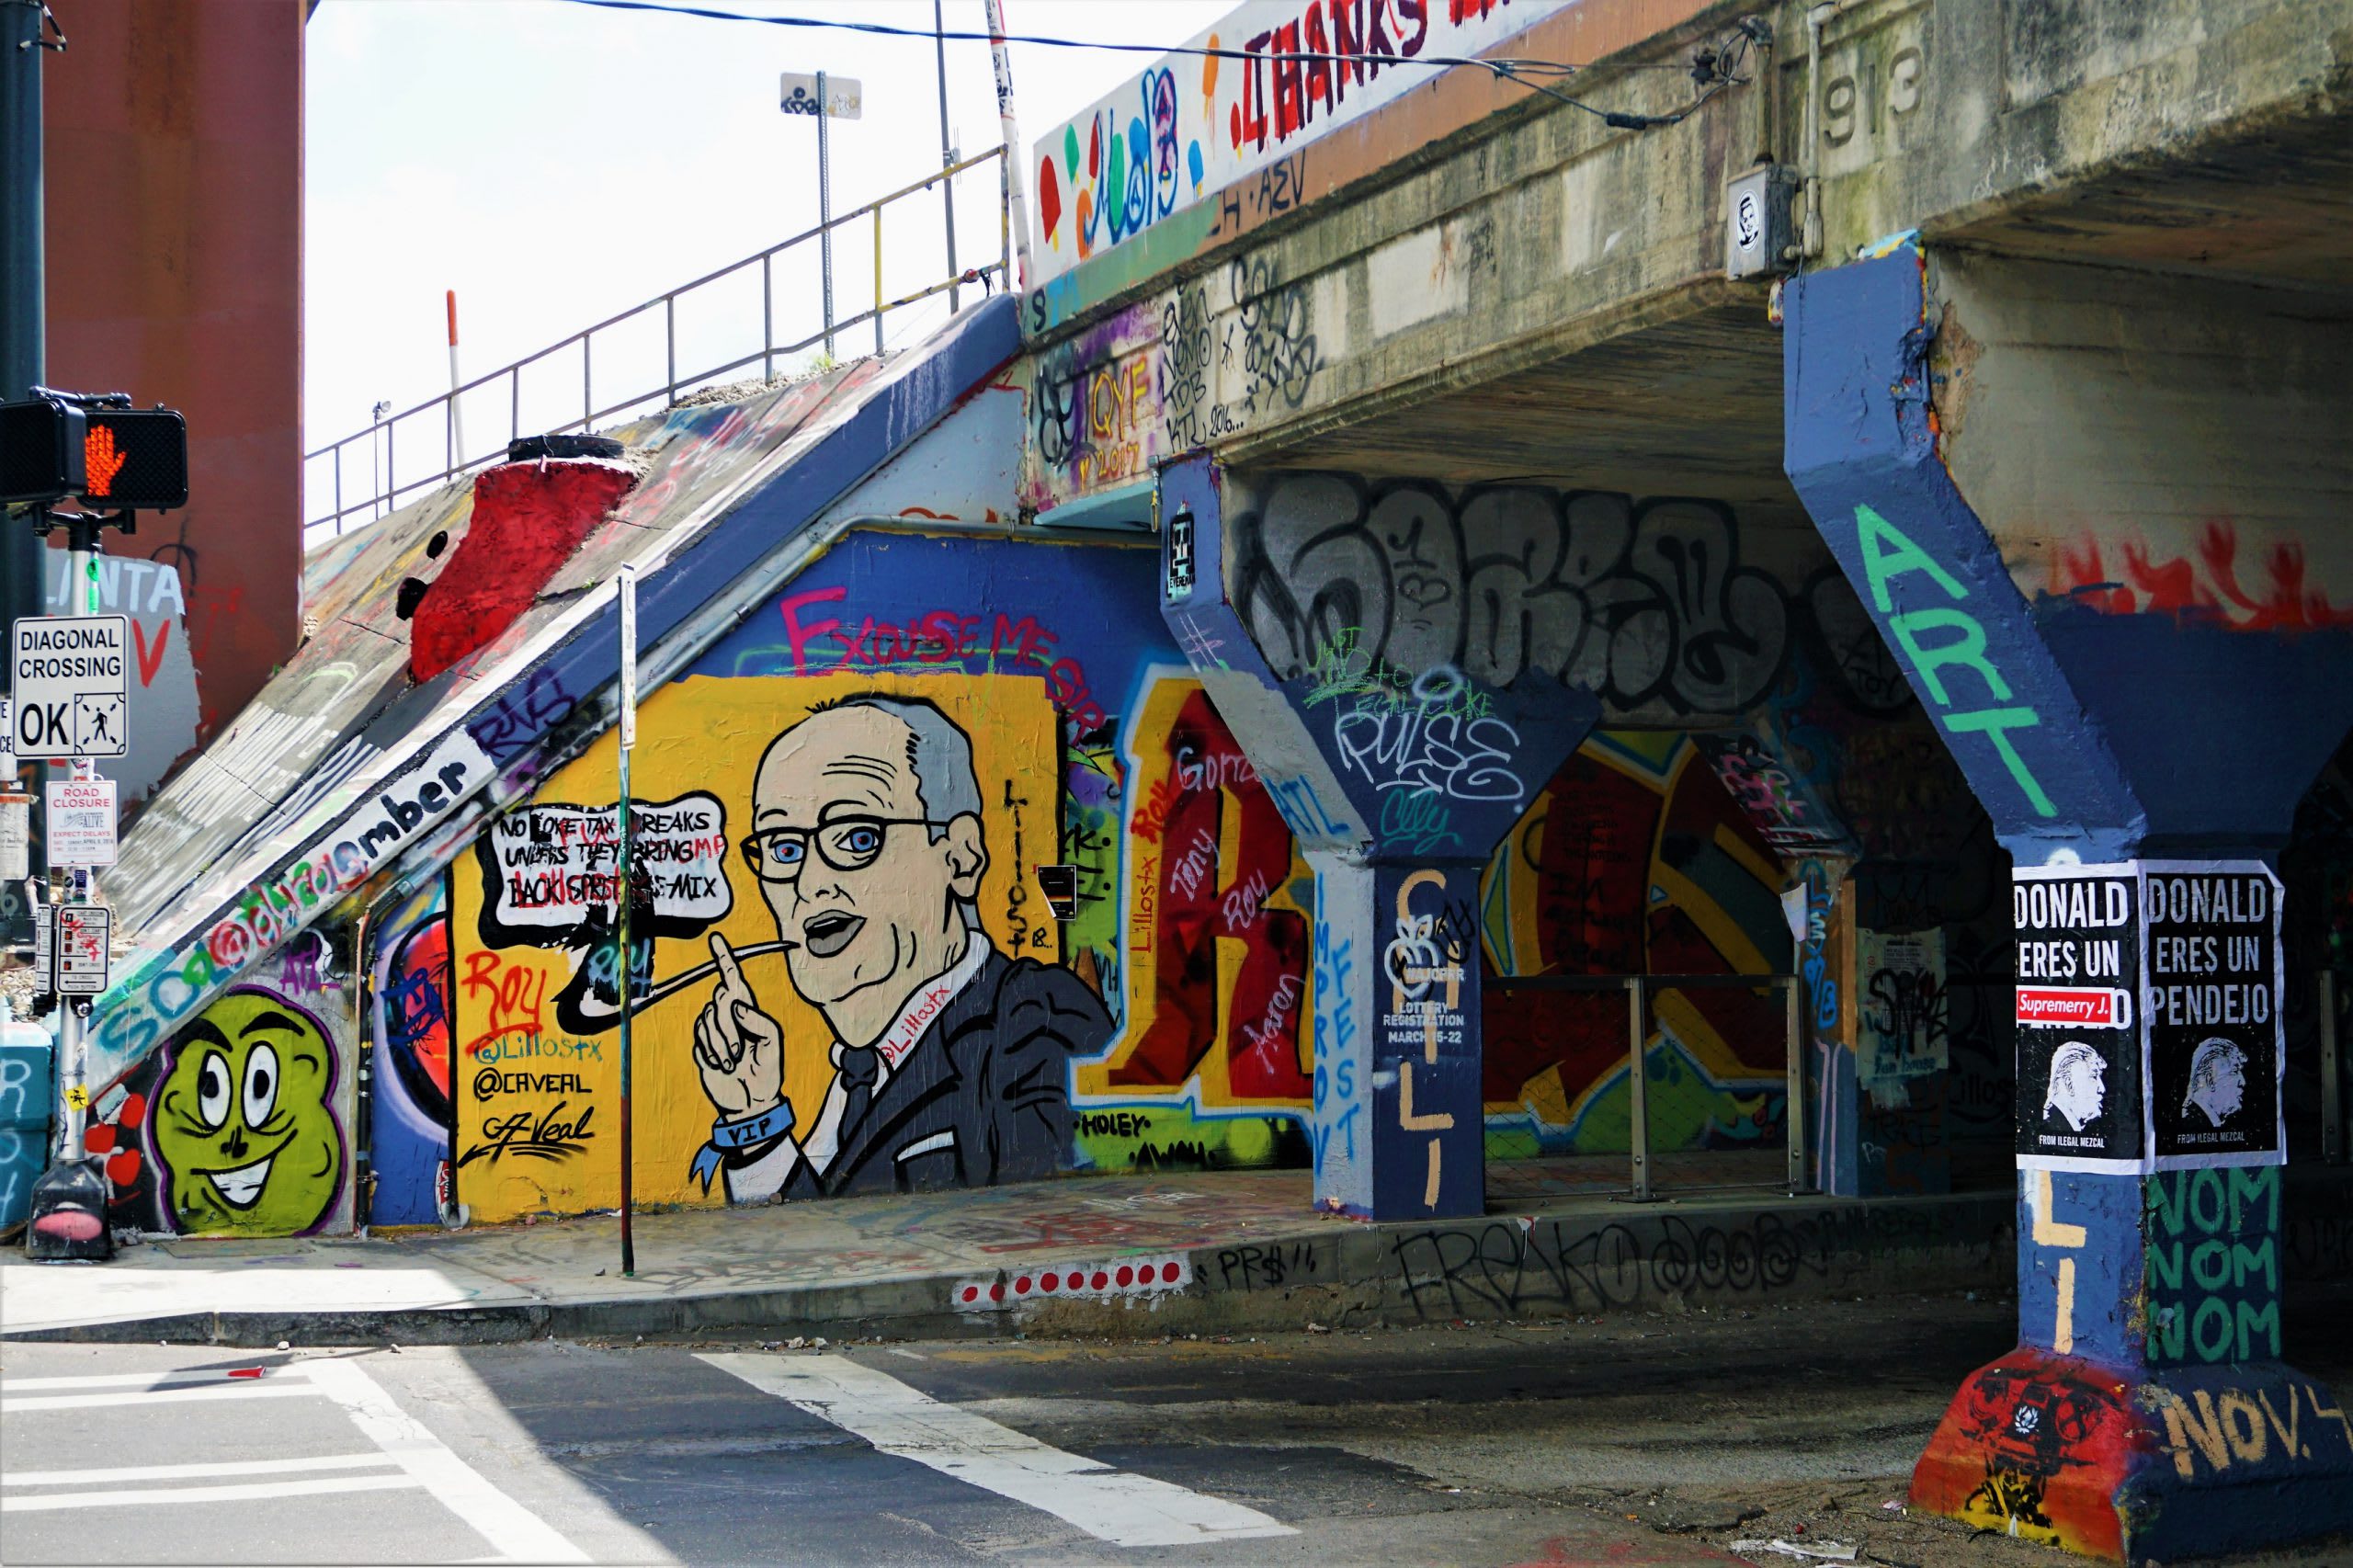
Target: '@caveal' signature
541,1135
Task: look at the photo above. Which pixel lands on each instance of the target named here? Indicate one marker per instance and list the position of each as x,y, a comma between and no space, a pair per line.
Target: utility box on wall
1758,234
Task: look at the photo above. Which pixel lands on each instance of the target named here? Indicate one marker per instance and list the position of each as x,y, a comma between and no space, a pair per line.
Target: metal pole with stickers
69,705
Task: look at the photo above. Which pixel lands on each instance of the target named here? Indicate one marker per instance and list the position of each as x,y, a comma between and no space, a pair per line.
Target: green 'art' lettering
1888,553
1966,648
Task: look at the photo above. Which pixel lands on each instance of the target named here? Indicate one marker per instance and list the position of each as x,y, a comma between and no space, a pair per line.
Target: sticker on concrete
1125,1276
2211,1009
2079,1059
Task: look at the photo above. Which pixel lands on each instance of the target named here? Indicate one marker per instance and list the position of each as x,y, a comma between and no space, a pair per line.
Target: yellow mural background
708,734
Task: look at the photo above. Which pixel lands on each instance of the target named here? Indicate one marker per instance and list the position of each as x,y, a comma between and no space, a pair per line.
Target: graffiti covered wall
948,874
411,1105
952,872
831,874
1633,860
1786,780
242,1125
1189,128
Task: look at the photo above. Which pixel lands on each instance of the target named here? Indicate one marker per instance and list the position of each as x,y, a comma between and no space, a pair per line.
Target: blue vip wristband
773,1123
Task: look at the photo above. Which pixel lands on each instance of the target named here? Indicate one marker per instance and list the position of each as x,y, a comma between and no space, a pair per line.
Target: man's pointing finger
731,975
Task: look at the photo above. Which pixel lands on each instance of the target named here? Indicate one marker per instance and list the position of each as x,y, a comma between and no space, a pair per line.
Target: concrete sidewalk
1125,1255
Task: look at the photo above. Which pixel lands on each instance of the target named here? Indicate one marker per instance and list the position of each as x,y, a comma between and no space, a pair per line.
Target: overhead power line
1713,68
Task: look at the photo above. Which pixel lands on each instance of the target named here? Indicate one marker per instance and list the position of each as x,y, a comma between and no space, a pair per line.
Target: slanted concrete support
2140,769
1399,784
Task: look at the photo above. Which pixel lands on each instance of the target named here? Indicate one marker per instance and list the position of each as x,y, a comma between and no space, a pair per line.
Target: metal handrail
385,494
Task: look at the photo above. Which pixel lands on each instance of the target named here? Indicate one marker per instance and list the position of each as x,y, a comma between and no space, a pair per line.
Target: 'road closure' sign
81,822
72,686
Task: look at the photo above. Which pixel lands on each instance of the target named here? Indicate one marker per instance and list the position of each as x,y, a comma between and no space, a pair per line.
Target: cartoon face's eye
261,1084
212,1090
858,839
782,852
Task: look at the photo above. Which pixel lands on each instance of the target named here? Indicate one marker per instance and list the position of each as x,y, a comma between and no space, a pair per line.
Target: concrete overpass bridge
1409,661
1972,500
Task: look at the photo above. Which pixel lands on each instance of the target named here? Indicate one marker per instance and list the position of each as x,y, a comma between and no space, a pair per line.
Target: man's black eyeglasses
846,843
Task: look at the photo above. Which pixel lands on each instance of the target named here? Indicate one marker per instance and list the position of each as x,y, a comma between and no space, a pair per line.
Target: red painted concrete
2038,1445
527,519
174,161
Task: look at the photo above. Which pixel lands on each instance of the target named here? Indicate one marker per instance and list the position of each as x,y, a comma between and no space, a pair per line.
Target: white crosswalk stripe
1111,1504
407,1455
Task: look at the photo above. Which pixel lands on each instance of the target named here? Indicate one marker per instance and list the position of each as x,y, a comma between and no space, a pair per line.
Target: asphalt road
1630,1440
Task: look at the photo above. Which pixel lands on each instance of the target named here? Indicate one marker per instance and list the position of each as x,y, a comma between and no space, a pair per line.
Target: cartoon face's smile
825,935
243,1122
241,1189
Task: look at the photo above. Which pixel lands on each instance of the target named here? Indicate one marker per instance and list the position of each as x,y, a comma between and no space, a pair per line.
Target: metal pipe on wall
1016,207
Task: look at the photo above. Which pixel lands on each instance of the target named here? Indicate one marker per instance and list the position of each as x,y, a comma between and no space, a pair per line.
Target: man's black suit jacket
984,1097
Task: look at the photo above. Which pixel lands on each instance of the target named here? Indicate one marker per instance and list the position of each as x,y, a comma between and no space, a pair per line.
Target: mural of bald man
952,1060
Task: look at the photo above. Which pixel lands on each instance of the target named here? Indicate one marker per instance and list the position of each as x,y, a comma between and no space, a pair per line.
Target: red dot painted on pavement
1021,1285
1047,1282
122,1166
996,1291
1127,1275
972,1293
1101,1280
1168,1272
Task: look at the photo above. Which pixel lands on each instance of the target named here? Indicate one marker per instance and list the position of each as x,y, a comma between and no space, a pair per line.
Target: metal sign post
826,97
622,898
70,676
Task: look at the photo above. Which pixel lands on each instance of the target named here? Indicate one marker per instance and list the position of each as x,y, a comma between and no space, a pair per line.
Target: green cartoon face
243,1122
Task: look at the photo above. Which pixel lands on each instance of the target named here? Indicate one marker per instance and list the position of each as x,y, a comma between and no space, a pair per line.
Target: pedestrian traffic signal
43,450
135,458
62,447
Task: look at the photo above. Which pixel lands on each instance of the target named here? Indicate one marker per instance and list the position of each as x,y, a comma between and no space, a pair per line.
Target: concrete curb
1328,1274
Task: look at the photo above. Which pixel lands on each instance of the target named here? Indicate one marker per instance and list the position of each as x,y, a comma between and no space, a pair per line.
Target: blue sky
557,163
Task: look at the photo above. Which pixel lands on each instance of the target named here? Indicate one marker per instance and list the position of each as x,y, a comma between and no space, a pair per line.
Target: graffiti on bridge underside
1213,357
1632,858
1648,602
2205,583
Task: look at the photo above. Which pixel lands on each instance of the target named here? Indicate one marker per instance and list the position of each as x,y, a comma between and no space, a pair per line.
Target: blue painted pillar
2141,771
1399,784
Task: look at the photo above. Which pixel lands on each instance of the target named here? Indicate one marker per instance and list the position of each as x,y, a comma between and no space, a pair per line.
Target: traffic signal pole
23,340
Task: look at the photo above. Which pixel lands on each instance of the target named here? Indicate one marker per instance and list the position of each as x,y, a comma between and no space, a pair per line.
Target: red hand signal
102,460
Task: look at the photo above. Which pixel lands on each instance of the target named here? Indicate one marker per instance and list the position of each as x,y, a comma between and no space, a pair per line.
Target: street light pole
947,154
1017,205
824,215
